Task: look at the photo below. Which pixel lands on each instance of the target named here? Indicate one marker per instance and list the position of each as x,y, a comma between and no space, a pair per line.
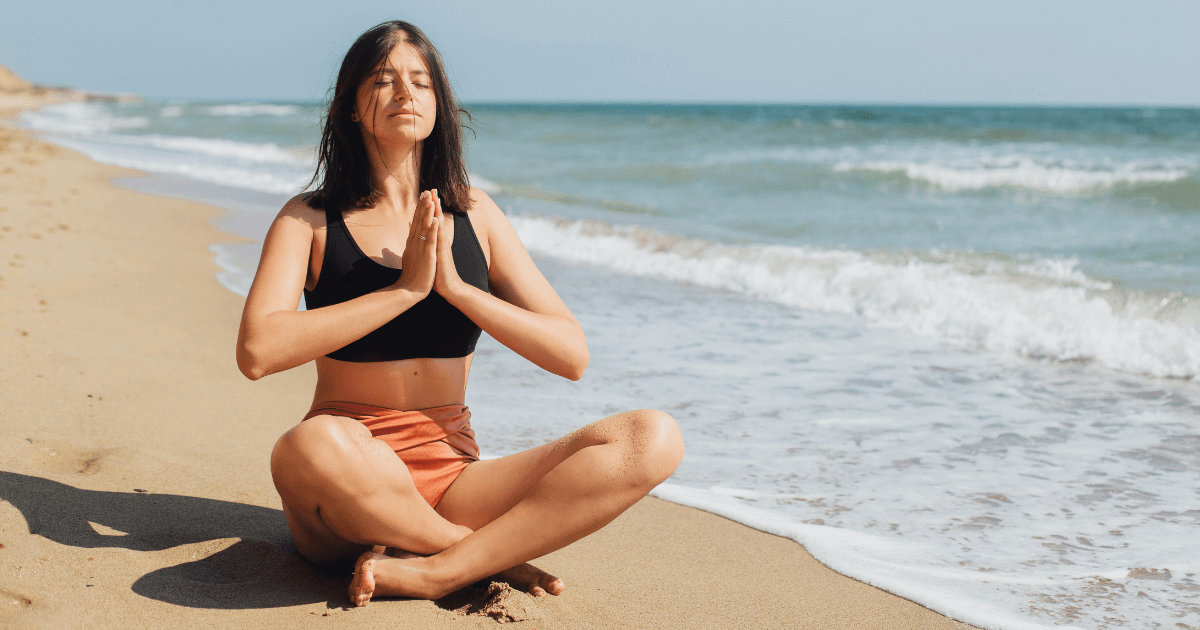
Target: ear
354,117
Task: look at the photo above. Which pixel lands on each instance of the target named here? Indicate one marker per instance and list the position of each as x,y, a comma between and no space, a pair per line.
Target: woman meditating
402,264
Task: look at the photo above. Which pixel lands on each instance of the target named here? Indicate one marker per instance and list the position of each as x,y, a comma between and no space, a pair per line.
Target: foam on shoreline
1039,309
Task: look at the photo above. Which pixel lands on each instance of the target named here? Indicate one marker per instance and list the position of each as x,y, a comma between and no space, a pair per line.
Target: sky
1097,52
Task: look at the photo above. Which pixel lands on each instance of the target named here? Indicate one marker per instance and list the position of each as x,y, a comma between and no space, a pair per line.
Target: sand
133,456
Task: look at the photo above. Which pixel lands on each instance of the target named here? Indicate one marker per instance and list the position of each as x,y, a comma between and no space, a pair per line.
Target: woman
402,264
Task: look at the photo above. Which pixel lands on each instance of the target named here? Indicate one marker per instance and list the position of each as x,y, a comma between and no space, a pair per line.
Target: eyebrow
389,70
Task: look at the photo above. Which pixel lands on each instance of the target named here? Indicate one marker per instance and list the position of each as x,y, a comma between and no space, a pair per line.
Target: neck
396,172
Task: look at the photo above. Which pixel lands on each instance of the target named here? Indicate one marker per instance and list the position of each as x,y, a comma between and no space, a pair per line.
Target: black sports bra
431,328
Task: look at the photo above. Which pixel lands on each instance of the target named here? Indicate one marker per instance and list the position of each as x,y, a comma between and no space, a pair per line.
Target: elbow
253,372
573,374
575,369
250,364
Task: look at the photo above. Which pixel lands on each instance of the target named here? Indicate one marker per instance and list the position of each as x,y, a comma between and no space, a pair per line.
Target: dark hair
343,166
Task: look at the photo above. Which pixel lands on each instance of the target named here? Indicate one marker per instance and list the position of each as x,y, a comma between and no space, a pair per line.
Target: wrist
407,296
453,290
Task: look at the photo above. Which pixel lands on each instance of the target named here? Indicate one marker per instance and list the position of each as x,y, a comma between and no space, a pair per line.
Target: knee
313,449
655,445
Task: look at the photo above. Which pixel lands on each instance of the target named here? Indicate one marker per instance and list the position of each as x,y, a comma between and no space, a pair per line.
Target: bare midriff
405,385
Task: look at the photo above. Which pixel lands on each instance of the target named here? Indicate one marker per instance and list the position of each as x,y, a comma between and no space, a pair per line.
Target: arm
523,312
274,337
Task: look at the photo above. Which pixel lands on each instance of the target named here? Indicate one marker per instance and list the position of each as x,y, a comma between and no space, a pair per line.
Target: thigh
488,488
311,465
317,543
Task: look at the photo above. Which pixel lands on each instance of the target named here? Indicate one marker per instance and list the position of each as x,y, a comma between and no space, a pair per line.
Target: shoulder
482,205
486,216
298,210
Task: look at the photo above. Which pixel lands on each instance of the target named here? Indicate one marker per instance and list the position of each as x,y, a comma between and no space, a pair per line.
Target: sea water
952,351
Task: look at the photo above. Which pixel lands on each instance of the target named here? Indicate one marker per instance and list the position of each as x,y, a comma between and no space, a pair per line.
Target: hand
446,280
420,251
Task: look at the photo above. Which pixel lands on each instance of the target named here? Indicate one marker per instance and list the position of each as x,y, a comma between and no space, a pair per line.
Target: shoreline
119,377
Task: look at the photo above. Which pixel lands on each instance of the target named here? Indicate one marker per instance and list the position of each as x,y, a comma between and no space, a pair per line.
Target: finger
418,216
433,205
431,220
422,212
431,243
423,199
417,231
446,233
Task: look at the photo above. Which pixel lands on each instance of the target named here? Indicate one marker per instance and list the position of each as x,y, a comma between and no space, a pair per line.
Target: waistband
408,429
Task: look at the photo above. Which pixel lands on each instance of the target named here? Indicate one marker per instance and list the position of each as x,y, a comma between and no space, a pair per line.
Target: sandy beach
133,456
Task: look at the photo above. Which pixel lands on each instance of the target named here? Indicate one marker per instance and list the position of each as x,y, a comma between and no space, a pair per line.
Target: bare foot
396,573
399,572
362,586
532,580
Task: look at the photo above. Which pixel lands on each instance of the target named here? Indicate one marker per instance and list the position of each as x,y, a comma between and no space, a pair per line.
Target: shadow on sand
261,570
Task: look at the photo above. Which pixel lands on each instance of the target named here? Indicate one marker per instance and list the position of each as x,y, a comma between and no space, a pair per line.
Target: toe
362,585
553,585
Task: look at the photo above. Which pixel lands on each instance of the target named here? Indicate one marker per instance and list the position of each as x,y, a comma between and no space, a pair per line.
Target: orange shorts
436,443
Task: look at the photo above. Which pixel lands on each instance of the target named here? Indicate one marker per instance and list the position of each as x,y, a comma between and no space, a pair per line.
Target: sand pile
497,601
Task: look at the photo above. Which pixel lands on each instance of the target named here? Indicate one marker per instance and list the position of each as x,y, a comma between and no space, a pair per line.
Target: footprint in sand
71,461
13,604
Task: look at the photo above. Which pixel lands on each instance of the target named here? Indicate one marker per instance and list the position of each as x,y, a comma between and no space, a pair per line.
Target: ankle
439,578
415,577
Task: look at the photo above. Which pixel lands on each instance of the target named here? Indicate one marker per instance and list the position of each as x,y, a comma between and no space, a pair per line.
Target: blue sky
851,51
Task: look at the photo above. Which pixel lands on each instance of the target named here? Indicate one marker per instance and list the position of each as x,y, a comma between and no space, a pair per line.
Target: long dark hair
343,166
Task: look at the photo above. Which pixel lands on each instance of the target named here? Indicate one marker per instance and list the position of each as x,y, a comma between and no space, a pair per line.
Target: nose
403,91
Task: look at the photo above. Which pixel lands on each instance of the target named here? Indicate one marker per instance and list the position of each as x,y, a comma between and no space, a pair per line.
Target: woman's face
396,103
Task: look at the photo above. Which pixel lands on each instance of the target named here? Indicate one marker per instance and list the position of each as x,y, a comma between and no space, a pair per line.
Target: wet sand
133,456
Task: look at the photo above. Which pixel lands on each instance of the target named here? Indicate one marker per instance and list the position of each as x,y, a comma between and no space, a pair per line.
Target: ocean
950,350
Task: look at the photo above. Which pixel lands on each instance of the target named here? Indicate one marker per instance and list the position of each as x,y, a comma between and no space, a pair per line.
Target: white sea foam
284,179
250,152
994,310
487,186
92,130
79,118
253,109
233,274
1016,171
958,167
1060,269
93,122
892,565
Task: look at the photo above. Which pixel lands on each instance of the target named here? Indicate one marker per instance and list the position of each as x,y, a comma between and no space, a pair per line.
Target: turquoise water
1117,189
950,350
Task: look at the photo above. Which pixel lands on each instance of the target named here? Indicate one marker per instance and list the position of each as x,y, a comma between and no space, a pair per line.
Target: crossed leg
342,495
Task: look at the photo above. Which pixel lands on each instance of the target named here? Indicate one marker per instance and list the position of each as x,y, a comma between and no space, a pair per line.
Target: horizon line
691,103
